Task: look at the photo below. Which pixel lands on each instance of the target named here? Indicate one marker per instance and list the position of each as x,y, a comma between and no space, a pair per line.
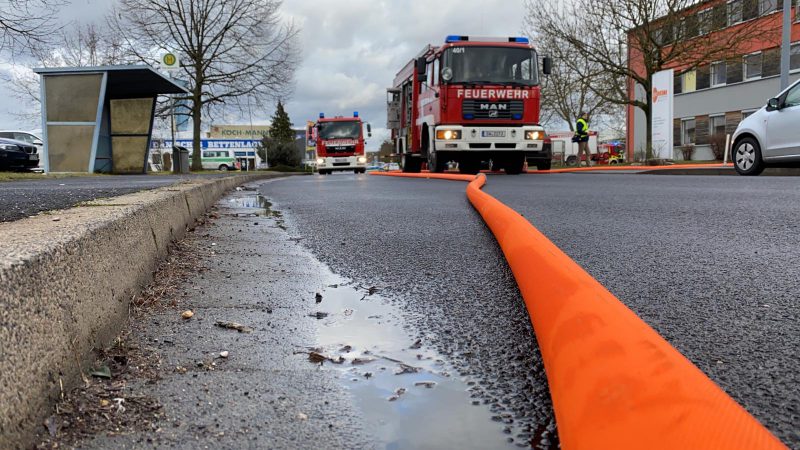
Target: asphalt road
20,199
712,263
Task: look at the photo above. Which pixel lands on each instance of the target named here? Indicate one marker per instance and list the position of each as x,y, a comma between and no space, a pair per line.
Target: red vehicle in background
470,100
340,144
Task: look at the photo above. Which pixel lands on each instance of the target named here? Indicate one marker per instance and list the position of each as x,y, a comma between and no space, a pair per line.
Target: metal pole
787,26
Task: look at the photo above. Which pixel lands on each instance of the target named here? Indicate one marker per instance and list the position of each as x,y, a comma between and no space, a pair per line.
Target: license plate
338,160
493,133
34,157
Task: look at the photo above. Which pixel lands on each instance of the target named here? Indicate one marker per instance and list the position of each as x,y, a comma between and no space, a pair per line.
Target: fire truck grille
483,109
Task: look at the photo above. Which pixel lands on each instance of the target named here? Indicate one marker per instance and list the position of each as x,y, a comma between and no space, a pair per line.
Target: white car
769,136
28,138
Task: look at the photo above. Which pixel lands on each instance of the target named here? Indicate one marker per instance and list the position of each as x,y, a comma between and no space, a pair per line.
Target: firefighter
582,137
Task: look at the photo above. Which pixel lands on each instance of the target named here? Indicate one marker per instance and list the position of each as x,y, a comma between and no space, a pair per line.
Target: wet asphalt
23,198
712,263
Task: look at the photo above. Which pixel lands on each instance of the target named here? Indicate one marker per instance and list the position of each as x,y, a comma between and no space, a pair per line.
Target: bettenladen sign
661,118
238,131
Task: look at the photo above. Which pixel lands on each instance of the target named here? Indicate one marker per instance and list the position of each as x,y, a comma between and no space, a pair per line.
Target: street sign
662,114
169,61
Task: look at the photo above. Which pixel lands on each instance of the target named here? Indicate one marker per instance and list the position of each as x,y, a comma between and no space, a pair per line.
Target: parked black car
17,155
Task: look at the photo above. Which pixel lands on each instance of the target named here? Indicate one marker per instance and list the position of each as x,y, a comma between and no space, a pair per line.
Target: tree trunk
197,120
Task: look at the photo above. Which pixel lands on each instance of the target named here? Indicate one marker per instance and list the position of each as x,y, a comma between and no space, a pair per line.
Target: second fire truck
340,144
469,101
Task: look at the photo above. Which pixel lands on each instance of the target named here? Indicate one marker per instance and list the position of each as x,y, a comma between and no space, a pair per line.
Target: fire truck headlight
362,160
448,135
320,161
533,135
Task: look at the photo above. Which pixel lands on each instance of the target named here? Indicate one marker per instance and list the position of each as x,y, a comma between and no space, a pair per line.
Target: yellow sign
238,131
170,61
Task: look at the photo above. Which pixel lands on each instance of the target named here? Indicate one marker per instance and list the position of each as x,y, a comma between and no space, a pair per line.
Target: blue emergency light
521,40
355,113
321,115
455,38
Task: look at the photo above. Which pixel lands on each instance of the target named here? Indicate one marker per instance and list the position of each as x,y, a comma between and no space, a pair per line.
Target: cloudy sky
351,49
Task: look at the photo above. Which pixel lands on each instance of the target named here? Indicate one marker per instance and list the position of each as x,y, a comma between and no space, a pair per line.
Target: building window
749,9
719,17
746,114
768,6
733,70
716,125
734,12
687,131
690,81
752,66
704,21
771,62
794,56
703,77
691,26
718,74
677,86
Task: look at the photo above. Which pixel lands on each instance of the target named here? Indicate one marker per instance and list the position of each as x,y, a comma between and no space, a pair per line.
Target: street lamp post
787,28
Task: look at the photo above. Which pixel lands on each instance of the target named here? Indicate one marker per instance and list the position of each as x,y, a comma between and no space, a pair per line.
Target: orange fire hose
615,382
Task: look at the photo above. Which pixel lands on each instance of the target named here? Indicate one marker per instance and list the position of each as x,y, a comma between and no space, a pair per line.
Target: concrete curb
66,279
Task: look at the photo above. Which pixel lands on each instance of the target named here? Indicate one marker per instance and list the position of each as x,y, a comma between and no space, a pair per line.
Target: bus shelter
100,119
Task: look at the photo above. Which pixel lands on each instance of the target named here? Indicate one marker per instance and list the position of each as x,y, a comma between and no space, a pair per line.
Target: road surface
712,263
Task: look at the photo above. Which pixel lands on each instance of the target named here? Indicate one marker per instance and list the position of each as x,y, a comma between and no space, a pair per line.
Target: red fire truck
340,144
470,100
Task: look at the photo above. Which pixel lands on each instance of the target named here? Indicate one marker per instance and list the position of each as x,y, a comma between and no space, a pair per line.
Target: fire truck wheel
613,161
544,165
410,163
572,160
437,162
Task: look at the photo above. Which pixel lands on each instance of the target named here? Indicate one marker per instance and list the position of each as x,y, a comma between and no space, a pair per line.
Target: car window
6,135
208,154
792,97
24,137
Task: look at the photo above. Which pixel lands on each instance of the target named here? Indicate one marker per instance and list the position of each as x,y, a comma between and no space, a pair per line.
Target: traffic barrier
615,382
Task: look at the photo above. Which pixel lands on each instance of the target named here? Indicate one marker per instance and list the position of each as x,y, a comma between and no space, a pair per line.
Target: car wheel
223,168
572,160
747,157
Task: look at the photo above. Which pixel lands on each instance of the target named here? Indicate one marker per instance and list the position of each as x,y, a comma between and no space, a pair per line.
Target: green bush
284,154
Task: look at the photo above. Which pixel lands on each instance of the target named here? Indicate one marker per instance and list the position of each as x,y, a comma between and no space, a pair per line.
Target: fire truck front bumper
527,138
332,163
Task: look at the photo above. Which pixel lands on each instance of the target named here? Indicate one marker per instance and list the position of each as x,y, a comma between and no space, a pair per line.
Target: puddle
409,396
254,205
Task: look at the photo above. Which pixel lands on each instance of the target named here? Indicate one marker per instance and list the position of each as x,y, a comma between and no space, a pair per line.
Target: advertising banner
662,114
238,131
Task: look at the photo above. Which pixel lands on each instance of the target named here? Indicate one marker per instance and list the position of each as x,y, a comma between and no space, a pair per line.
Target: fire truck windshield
483,65
339,130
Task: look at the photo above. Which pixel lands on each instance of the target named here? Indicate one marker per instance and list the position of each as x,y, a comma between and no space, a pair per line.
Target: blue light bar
521,40
321,115
355,113
455,38
517,116
469,116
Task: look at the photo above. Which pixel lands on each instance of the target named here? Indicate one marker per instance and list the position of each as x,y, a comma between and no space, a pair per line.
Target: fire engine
340,144
470,100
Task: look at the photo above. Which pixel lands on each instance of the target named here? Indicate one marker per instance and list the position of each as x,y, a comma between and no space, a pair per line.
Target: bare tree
565,93
231,51
76,46
24,23
661,34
